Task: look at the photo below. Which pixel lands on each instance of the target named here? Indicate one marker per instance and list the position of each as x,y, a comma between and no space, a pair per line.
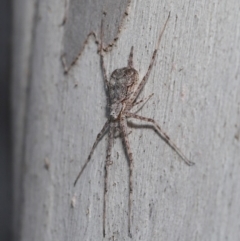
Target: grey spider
123,90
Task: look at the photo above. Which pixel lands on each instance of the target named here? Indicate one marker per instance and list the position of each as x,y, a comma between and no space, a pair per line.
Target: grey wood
22,54
84,17
196,85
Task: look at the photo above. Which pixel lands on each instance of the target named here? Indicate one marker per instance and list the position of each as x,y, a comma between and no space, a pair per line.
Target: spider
123,90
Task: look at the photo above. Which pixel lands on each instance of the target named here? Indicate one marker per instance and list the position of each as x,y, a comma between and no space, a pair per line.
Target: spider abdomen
121,83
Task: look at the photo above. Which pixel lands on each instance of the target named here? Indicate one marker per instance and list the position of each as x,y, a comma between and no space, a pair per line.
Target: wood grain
196,86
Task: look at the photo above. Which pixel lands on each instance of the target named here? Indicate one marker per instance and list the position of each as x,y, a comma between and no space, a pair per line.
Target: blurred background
5,122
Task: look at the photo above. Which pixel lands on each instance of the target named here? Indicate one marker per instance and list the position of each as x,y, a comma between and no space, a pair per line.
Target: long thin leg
66,67
164,136
123,126
130,58
102,58
142,102
107,163
99,136
145,78
66,3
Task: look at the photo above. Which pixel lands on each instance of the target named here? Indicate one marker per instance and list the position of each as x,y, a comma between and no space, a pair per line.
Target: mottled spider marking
122,92
121,86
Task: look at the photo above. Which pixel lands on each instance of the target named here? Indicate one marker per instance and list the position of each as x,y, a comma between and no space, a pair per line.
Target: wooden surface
196,86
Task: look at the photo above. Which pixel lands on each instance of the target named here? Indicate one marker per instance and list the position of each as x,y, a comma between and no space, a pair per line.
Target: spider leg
130,58
117,132
65,13
164,136
107,163
102,58
123,126
145,78
99,136
67,68
142,102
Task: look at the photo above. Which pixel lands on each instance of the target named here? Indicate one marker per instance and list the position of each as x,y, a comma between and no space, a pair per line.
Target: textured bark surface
196,86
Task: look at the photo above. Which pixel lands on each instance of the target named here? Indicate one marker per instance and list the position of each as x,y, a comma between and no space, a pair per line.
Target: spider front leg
123,126
145,78
102,58
164,136
130,58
